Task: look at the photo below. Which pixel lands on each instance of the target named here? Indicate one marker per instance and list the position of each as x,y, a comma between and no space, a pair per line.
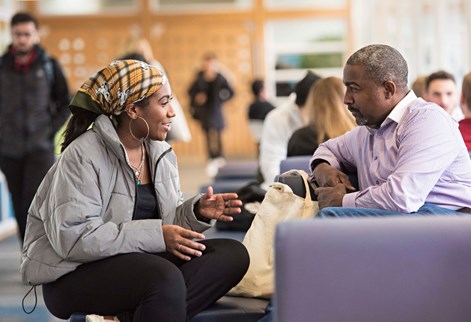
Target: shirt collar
399,110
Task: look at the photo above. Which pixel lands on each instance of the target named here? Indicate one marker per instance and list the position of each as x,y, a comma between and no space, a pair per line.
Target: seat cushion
242,169
227,309
233,309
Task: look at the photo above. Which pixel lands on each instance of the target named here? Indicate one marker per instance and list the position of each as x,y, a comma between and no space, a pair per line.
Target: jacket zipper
155,176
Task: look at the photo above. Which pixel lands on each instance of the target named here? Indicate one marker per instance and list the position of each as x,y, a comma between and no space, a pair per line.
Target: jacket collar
104,127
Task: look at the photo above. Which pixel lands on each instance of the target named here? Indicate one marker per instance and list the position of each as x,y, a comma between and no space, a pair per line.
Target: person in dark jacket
34,97
208,92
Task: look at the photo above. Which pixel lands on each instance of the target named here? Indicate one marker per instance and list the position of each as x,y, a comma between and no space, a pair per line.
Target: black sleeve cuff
198,216
316,162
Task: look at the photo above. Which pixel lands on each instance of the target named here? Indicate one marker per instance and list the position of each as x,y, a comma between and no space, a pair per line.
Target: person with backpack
34,99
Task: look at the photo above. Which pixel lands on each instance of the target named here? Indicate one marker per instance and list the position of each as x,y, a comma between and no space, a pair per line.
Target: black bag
251,192
195,112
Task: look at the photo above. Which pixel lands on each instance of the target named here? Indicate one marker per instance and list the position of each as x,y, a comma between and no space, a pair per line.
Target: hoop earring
132,134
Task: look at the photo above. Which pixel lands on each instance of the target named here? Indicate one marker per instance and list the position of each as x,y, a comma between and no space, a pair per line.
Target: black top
303,142
147,206
258,110
217,92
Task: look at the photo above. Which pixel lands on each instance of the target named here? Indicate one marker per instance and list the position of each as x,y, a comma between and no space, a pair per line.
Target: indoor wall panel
180,47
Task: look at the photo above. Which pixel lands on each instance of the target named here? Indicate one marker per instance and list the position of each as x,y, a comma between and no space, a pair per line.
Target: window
305,4
85,7
199,5
431,34
295,46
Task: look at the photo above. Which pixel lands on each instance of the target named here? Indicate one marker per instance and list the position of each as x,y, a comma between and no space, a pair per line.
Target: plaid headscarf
114,87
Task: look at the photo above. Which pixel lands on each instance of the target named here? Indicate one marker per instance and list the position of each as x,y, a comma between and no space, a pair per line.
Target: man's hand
331,196
201,98
328,176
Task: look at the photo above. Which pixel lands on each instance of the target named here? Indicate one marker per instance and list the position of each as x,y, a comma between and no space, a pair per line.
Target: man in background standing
34,100
208,92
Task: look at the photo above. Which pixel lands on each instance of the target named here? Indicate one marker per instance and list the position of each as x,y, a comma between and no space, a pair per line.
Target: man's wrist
316,162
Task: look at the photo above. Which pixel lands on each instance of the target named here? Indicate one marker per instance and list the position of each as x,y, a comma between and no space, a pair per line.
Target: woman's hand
218,206
178,241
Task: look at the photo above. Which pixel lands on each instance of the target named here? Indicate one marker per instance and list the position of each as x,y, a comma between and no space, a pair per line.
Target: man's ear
389,89
37,37
131,111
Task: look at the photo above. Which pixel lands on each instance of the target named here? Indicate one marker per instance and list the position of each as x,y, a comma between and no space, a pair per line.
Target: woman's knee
165,277
230,253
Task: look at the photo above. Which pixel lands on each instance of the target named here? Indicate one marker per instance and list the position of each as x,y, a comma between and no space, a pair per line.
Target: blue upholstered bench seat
227,309
233,309
222,186
240,169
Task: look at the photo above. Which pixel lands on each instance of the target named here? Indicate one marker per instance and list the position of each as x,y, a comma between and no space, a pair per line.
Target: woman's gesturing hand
179,242
218,206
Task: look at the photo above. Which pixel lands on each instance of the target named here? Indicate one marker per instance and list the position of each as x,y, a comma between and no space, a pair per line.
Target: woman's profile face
159,113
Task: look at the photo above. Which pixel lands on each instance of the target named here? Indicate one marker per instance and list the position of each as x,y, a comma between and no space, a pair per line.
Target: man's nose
347,98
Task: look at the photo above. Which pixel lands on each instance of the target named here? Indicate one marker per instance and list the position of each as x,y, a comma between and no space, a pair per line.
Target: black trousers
213,142
149,287
24,175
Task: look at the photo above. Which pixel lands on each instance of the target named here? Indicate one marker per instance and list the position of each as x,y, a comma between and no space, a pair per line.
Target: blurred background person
328,117
208,93
278,127
465,103
34,99
418,86
258,110
440,88
140,49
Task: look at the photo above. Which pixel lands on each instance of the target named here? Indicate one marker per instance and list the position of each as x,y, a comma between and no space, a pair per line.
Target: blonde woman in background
327,114
140,49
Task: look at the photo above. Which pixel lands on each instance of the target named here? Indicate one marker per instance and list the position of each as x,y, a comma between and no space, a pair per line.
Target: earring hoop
132,134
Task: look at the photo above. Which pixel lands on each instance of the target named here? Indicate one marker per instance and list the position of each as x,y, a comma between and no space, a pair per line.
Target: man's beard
359,119
21,52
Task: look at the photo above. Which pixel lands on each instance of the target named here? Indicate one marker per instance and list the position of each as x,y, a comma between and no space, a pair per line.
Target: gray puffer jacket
83,209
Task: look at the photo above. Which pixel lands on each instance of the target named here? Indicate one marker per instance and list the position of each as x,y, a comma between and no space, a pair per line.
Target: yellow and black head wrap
114,87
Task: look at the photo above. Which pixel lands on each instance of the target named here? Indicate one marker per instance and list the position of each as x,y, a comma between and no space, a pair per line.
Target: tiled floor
12,290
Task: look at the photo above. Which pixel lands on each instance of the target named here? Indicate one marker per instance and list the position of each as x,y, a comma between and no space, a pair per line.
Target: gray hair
382,63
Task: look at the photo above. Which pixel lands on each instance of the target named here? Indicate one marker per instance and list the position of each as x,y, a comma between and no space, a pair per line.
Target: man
34,100
440,88
258,109
408,154
278,127
208,92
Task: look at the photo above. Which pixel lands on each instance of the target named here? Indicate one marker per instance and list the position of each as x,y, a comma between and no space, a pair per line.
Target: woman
108,232
327,114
